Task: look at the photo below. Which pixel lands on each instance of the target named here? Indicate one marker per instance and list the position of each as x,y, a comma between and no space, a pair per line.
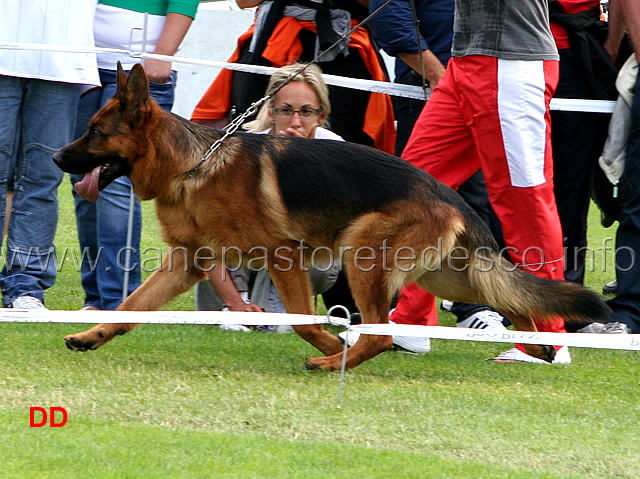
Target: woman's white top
319,134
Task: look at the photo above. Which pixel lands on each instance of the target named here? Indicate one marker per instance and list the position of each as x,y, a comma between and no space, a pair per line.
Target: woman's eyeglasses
303,112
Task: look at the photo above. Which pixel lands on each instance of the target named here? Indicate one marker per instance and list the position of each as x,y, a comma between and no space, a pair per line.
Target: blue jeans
102,226
626,304
37,118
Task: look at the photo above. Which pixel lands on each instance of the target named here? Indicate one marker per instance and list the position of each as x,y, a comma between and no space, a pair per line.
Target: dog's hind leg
386,250
524,323
176,275
294,288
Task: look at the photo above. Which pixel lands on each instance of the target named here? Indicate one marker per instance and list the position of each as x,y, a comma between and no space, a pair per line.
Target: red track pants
494,114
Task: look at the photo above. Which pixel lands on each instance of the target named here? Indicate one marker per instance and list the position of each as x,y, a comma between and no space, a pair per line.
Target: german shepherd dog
271,193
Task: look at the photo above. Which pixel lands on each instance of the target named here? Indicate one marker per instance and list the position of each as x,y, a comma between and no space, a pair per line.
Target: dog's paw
323,364
549,353
539,351
81,342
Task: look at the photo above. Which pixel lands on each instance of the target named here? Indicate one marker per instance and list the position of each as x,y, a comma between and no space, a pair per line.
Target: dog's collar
194,172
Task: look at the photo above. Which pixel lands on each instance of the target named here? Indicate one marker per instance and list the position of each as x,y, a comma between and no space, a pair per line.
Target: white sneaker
235,327
484,319
27,302
351,338
516,356
446,305
412,344
409,344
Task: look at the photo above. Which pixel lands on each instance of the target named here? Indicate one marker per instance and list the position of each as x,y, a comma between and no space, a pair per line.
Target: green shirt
156,7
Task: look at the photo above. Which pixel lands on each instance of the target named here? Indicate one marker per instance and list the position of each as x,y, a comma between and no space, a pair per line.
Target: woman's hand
245,307
248,3
157,70
295,132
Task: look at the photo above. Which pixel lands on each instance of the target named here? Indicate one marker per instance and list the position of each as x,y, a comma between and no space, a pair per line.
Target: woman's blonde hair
311,75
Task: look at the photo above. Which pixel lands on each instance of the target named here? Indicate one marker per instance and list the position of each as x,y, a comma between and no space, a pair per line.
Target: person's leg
348,109
48,119
10,103
515,152
415,306
340,294
86,212
348,106
519,168
626,304
577,139
103,225
112,228
440,133
441,141
474,192
406,110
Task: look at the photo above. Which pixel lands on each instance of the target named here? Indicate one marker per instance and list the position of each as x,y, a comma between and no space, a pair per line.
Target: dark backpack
586,34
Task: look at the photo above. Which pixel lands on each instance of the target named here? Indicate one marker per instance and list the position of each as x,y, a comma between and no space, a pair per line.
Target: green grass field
196,401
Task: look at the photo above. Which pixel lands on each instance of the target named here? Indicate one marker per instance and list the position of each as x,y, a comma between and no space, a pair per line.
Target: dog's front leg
294,288
369,284
176,275
367,347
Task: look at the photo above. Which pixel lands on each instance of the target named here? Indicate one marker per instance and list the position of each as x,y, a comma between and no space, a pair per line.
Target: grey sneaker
27,302
611,287
615,327
591,328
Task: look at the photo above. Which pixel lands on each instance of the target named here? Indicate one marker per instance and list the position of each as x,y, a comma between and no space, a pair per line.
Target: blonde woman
300,108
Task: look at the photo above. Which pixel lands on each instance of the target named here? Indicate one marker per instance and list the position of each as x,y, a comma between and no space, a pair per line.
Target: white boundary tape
10,315
395,89
581,340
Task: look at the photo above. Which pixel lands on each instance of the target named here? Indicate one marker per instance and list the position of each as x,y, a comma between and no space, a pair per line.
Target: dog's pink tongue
88,186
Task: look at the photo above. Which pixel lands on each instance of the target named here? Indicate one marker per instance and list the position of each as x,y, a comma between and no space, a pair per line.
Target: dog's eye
93,131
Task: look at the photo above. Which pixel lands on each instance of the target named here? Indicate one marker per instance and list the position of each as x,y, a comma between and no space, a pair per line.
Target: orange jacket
283,48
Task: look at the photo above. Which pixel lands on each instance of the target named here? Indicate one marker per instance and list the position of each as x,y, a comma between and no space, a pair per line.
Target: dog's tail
513,291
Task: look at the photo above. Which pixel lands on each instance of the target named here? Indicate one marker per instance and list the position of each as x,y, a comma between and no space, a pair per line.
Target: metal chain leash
229,130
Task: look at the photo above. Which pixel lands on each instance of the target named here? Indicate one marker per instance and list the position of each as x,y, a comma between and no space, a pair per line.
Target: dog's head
112,142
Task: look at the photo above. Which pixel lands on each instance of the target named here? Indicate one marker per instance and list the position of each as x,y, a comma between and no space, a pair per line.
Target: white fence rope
582,340
41,315
373,86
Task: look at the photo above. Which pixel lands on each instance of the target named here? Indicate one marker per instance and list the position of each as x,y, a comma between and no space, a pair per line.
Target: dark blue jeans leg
626,305
44,115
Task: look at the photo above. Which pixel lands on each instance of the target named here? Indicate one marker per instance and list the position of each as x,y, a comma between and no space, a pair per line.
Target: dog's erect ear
136,90
121,79
134,95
